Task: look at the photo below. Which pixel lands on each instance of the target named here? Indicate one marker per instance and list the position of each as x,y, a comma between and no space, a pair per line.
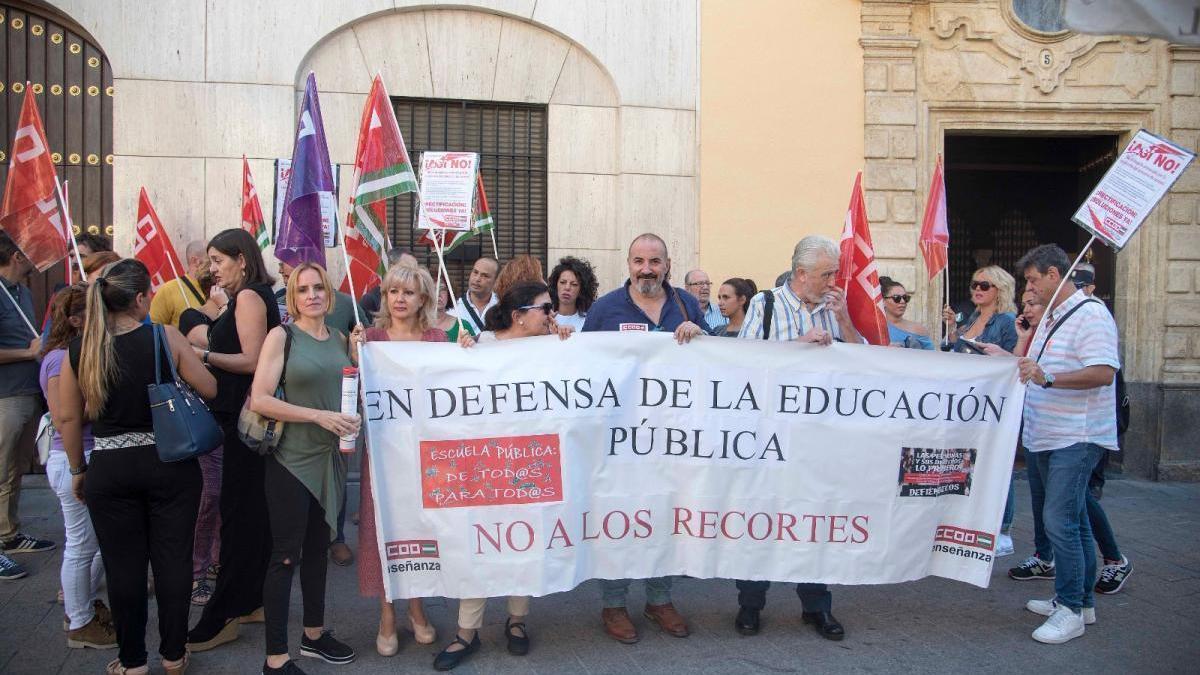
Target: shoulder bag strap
679,302
470,310
768,312
1059,323
195,293
161,345
287,351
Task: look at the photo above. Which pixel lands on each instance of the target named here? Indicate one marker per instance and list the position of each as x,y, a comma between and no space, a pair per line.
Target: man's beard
648,286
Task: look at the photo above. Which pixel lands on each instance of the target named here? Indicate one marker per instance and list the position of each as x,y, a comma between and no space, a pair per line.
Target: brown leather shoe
668,619
618,626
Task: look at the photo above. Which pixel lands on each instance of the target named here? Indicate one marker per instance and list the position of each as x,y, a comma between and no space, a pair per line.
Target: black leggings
245,536
300,535
145,510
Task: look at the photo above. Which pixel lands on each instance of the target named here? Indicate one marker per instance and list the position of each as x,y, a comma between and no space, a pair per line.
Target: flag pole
1067,275
495,251
70,229
438,243
346,259
17,307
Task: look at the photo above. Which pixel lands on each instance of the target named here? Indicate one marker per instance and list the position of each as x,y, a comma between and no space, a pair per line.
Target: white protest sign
529,466
447,190
329,219
1131,188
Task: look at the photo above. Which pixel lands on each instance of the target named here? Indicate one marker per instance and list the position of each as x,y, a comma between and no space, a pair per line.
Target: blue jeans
1101,530
613,592
1009,506
1065,476
1037,496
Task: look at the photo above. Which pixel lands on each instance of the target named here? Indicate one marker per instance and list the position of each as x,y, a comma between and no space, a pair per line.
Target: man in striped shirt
809,307
1070,419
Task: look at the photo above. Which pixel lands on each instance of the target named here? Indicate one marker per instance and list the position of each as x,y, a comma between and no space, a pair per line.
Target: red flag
857,272
935,234
31,213
252,216
152,246
365,262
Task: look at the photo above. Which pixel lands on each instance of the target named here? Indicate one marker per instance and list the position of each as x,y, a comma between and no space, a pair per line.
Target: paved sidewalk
1153,625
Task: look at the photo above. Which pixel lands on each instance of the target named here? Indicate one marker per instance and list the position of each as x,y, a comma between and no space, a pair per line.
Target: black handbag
183,426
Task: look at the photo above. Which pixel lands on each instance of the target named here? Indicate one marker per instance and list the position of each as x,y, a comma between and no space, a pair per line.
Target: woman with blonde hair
306,475
407,312
994,320
143,509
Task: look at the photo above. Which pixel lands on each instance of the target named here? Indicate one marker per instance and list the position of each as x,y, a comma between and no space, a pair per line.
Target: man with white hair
809,307
168,303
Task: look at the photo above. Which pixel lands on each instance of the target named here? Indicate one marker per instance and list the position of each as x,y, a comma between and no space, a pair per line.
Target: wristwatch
204,357
1049,381
76,470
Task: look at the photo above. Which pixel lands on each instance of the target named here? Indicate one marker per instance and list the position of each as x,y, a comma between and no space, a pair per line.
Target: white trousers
82,567
470,610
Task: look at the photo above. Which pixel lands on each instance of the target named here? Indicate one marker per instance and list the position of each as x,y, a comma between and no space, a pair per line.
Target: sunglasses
981,285
546,307
900,298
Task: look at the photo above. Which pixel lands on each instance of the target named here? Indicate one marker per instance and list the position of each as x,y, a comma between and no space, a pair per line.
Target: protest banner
529,466
448,182
1131,187
329,219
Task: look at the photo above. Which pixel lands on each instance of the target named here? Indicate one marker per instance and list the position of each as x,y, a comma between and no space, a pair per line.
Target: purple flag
310,190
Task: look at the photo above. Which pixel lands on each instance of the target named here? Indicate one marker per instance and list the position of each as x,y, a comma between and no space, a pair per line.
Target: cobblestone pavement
1153,625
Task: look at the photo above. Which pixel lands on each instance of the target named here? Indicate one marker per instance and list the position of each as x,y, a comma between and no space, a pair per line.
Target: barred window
511,141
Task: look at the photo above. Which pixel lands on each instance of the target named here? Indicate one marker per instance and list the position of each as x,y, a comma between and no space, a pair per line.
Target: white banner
532,465
1131,188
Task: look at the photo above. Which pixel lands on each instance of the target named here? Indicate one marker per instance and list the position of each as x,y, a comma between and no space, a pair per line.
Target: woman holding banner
406,313
306,475
524,310
235,340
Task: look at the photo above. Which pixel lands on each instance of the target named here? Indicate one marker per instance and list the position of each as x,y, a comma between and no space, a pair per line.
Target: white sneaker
1062,626
1048,607
1004,546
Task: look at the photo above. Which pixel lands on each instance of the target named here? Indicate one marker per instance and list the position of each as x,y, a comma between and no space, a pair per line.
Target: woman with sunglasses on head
733,299
524,311
994,319
406,313
143,510
901,331
234,342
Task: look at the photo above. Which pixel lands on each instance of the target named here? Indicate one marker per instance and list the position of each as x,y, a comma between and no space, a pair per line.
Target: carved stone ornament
1048,62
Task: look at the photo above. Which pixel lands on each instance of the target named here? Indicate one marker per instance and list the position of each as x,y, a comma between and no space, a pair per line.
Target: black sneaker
289,667
326,648
10,569
1033,568
23,543
1113,576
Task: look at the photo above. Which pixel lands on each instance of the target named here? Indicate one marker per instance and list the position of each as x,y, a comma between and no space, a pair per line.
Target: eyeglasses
700,283
546,307
981,285
900,298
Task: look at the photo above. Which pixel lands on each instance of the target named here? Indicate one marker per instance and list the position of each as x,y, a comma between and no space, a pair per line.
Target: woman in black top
234,341
143,510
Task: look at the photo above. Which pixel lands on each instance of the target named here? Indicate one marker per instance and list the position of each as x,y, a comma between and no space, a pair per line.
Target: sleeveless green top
310,452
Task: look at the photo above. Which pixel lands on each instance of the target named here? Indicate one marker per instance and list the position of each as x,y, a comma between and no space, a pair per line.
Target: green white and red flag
252,215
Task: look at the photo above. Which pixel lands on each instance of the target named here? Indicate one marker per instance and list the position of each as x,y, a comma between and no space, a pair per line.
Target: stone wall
198,84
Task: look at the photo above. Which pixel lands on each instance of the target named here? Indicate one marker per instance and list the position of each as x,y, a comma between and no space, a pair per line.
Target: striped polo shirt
1056,418
790,318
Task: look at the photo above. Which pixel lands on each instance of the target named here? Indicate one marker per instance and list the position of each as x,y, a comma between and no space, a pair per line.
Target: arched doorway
72,80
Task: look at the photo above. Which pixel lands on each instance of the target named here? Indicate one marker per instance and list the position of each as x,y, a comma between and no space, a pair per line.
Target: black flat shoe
518,644
827,626
747,621
447,660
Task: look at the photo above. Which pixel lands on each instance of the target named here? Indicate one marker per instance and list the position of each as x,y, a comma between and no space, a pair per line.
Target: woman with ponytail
88,619
143,510
234,342
523,311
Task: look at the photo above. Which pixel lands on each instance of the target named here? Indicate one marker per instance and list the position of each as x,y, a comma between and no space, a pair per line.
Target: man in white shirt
479,298
1070,419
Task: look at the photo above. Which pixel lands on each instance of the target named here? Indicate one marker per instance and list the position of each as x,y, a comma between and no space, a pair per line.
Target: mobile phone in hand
1023,323
971,345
